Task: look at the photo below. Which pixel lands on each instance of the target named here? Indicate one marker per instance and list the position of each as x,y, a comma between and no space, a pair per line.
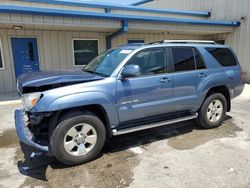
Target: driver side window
151,61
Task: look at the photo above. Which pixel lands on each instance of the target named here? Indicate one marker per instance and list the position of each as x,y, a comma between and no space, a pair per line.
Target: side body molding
83,99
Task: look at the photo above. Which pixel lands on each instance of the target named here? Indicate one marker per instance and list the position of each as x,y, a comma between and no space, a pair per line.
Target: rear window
223,55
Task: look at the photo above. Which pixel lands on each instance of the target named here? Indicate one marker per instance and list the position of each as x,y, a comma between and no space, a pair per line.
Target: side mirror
131,71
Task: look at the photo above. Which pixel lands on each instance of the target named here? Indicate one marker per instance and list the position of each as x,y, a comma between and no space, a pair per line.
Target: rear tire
213,111
78,138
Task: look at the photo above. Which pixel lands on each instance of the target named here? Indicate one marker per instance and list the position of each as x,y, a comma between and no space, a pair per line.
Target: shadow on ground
113,166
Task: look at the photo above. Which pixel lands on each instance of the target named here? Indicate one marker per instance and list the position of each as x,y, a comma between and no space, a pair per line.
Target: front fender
82,99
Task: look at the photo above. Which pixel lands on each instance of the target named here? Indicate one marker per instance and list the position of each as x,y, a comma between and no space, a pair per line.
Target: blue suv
126,89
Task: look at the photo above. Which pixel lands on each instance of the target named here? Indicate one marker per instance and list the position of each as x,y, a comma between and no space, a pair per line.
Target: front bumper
23,132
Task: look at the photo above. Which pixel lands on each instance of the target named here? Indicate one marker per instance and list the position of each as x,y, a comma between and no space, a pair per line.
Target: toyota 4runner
126,89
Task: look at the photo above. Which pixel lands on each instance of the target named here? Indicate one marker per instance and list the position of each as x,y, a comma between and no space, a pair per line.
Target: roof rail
131,44
184,42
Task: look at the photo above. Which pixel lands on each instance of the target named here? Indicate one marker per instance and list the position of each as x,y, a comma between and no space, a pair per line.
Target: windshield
106,63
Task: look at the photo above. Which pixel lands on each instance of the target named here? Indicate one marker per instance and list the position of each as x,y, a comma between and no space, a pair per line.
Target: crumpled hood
41,81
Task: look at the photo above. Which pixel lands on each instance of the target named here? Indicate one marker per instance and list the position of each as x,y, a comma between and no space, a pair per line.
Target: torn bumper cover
23,132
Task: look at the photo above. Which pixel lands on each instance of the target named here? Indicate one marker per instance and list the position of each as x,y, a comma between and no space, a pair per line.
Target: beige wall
55,51
55,34
123,39
81,8
221,10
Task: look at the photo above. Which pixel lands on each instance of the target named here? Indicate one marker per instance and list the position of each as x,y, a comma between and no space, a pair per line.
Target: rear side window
183,58
223,55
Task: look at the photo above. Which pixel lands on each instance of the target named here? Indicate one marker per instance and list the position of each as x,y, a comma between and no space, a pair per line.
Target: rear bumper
235,92
23,132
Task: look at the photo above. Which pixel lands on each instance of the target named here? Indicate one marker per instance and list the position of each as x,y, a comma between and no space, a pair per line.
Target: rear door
150,93
189,73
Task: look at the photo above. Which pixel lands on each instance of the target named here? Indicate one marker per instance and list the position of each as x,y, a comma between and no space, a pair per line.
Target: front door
148,94
25,55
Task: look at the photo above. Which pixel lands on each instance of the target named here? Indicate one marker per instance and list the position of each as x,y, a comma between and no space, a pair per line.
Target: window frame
192,47
1,49
168,65
73,52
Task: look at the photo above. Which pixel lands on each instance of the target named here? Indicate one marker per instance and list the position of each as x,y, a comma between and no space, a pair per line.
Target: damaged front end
33,129
35,126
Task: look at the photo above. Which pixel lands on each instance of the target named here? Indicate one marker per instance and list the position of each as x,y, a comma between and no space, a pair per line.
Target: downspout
124,29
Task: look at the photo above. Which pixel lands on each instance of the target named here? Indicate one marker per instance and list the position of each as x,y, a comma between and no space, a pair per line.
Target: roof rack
184,42
132,44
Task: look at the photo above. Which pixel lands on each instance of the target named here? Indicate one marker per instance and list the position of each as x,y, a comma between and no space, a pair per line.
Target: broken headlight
30,99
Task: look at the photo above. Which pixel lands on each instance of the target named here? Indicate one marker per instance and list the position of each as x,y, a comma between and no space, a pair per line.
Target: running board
152,125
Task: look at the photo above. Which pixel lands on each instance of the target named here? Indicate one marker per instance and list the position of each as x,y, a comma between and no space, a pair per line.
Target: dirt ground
178,155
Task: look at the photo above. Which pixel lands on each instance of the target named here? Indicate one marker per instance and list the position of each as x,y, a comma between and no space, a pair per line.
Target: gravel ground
178,155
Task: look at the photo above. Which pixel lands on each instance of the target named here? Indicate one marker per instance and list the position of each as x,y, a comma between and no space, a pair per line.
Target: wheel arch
223,89
97,109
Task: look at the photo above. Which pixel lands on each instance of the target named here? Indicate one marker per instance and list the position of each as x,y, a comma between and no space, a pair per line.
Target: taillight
242,75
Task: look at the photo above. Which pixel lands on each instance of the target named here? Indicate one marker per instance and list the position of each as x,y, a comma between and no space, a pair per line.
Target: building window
84,50
1,55
139,41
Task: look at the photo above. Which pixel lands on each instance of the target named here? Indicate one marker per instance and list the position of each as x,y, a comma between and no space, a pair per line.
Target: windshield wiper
96,73
104,75
90,71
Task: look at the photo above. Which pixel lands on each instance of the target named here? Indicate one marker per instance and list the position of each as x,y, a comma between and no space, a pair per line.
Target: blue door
149,94
25,55
189,74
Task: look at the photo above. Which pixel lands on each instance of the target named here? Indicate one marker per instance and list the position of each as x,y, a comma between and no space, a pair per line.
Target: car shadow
36,166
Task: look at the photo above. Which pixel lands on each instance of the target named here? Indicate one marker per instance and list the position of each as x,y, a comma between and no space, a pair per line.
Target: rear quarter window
224,56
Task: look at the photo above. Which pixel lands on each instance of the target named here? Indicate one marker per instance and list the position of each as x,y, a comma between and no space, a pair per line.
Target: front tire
213,111
78,138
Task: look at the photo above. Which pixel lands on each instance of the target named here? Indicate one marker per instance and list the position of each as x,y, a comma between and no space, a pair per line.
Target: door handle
202,75
164,80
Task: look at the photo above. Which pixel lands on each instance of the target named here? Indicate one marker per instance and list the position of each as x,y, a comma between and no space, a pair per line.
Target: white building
64,35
